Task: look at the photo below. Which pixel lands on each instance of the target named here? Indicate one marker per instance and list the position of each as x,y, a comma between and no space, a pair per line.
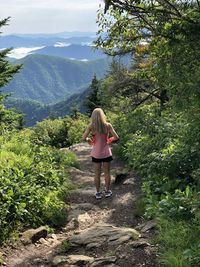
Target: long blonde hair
99,123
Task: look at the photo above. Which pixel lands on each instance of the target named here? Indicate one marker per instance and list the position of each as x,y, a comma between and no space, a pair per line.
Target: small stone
137,244
59,260
54,236
76,260
43,241
129,181
149,225
83,218
79,259
103,261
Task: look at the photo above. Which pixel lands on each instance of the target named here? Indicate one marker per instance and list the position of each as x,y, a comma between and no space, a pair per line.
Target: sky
49,16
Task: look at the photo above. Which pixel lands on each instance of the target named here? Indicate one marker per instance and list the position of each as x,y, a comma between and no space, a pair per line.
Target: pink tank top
100,148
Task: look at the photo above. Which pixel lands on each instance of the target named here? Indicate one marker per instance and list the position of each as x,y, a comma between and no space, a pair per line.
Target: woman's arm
86,133
113,132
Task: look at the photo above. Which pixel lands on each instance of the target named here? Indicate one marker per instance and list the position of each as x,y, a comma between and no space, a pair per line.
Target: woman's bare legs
106,169
97,170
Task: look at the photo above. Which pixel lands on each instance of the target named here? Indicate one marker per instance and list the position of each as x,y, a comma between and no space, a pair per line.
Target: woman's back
100,148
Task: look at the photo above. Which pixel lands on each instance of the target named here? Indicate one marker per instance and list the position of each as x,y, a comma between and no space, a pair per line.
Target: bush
165,150
32,185
60,132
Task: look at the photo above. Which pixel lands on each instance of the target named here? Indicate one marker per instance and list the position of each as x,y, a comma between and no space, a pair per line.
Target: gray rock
149,225
129,181
59,260
33,235
76,260
79,259
141,243
100,233
99,262
43,241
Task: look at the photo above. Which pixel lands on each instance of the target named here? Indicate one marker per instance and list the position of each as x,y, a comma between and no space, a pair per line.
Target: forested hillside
49,79
34,111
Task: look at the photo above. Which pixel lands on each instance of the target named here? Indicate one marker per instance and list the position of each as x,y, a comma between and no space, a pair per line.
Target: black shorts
108,159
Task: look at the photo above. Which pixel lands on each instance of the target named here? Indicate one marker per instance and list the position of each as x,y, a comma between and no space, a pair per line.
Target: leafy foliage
8,119
33,180
160,139
60,132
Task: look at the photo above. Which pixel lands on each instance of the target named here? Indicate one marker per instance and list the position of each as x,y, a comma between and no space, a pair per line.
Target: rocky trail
106,232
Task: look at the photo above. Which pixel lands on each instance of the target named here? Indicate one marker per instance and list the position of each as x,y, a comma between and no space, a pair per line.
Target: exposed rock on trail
104,232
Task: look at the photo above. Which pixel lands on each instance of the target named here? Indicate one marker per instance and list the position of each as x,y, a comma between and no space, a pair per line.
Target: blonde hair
99,123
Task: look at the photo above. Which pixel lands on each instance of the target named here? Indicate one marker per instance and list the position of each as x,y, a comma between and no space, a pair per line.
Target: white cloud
22,52
31,16
58,44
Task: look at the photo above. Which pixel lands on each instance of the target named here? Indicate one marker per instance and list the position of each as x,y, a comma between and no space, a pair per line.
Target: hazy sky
49,16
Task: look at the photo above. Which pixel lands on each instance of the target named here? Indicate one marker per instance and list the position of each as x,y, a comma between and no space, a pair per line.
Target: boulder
33,235
101,233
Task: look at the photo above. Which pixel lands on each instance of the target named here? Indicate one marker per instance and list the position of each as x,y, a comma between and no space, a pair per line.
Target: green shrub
33,184
165,150
60,132
52,132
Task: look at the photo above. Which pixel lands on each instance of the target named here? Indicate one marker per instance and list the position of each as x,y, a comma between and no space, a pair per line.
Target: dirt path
98,232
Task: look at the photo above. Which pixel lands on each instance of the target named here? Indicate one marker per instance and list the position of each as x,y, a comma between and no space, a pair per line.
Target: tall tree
7,70
8,118
93,99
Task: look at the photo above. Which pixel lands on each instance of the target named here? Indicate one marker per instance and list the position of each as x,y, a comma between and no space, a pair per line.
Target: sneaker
108,193
98,195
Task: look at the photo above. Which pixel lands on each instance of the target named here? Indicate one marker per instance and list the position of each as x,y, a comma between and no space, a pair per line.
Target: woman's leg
106,169
97,169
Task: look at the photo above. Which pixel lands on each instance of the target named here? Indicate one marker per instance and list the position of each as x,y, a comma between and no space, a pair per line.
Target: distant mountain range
50,82
49,79
36,40
75,51
57,34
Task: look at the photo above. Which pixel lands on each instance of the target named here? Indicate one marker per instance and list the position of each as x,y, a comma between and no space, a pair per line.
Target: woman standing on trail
101,153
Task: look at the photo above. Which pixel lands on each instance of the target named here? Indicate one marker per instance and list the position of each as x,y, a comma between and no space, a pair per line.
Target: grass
179,243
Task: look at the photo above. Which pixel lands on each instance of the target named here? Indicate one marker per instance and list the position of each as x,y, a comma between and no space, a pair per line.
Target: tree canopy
164,35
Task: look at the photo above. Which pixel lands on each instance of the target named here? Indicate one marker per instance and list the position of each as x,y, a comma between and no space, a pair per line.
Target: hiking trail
106,232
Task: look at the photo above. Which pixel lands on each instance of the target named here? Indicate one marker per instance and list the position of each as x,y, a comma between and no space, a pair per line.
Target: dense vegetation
34,179
155,108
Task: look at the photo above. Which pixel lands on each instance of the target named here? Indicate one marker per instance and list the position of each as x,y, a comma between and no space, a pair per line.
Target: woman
101,153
